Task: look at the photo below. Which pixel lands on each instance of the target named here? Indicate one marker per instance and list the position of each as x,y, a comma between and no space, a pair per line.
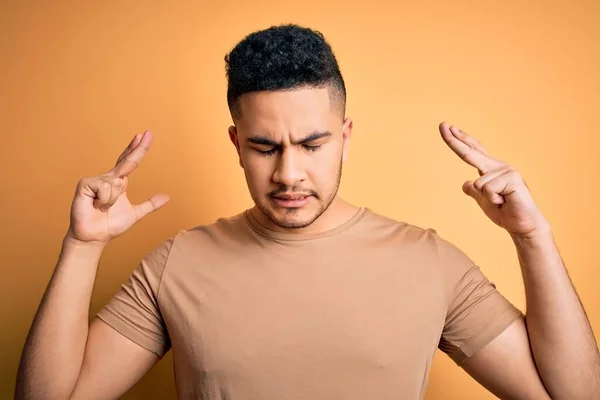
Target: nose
289,171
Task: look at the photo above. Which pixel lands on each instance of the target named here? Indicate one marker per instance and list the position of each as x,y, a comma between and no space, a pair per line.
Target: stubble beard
289,222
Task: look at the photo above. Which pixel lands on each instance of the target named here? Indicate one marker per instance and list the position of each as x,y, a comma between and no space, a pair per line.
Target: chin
292,218
293,223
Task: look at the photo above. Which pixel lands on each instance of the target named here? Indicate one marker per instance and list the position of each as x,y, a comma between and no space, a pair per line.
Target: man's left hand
500,190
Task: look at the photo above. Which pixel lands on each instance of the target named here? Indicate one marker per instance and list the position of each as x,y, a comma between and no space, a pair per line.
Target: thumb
152,204
470,190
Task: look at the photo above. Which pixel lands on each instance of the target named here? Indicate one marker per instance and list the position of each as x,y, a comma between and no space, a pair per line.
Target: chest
361,315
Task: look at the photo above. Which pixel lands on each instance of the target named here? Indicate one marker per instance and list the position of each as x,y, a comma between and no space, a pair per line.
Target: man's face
291,145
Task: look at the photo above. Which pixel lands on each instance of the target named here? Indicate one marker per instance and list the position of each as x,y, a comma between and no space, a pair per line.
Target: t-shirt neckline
288,236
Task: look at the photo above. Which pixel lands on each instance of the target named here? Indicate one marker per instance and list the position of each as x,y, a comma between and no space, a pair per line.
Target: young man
305,296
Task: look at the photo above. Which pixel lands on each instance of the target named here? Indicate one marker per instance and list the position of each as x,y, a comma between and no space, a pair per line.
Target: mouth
291,200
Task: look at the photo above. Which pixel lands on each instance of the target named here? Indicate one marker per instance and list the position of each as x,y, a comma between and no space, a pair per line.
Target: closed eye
312,148
267,152
273,150
273,147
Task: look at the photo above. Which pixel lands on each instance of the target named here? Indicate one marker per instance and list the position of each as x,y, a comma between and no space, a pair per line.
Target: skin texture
293,143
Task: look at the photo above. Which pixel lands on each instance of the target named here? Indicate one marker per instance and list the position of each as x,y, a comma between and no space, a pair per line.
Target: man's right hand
101,210
95,361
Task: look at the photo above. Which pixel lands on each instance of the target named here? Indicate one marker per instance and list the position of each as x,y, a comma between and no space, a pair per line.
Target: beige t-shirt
353,313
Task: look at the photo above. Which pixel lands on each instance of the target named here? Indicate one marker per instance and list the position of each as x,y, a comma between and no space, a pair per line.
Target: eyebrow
264,140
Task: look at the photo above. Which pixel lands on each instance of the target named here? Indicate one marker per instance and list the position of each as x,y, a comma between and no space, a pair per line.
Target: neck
338,212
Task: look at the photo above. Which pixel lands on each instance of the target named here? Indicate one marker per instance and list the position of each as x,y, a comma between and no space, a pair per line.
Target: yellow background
78,79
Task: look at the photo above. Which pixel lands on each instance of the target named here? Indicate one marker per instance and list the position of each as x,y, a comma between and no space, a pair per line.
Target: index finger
129,162
471,154
132,145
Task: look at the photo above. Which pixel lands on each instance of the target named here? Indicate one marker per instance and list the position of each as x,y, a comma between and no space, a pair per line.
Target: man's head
287,99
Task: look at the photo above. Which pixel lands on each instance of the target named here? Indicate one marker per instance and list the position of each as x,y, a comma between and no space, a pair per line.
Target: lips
291,200
294,196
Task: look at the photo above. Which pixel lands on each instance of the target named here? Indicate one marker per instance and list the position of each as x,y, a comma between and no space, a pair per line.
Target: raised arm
64,356
552,353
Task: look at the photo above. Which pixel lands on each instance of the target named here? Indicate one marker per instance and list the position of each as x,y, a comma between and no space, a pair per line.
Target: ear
346,134
233,136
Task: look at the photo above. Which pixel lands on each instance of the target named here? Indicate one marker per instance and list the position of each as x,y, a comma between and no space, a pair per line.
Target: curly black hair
283,57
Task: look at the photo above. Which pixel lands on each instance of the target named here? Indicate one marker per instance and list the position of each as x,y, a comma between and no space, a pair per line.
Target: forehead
289,110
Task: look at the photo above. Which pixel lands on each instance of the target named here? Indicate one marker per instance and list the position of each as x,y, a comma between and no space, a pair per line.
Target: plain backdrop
79,79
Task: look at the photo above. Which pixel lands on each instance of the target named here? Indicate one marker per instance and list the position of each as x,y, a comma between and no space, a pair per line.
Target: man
305,296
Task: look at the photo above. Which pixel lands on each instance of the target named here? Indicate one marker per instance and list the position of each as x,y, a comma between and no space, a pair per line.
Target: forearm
561,337
54,349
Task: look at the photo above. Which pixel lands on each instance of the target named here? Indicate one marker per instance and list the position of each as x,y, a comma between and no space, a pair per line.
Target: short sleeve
134,311
477,312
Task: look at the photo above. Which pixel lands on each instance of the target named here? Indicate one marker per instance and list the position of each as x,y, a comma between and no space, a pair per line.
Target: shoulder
380,225
221,231
426,240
